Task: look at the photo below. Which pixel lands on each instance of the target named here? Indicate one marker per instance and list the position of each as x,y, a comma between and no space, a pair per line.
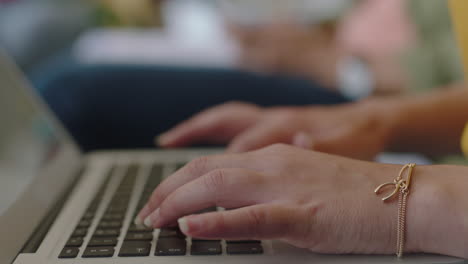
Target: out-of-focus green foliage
134,13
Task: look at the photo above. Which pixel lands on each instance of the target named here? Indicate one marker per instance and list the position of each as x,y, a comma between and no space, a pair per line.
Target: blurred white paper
194,36
150,47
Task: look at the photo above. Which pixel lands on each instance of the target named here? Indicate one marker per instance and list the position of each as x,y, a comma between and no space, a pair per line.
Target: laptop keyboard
138,240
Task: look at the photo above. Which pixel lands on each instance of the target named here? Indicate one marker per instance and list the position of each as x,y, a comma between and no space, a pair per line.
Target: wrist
437,217
389,113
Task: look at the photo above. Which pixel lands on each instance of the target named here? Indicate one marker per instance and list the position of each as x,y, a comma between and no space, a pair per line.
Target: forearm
431,124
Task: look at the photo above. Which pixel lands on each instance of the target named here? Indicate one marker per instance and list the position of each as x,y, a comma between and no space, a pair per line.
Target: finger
261,135
228,188
216,125
191,171
202,127
267,221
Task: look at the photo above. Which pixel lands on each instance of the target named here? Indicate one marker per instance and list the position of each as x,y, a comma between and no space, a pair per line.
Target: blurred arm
432,124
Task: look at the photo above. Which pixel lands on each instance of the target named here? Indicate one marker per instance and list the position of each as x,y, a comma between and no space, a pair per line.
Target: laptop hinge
41,231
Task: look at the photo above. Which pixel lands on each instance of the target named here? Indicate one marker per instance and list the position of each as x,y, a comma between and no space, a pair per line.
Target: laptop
60,206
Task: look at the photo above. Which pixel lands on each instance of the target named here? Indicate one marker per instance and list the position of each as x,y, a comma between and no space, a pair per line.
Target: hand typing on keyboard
317,201
353,130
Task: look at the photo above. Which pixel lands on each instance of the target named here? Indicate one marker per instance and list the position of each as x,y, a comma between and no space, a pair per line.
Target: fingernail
183,225
147,221
159,140
164,138
138,221
303,140
195,226
150,219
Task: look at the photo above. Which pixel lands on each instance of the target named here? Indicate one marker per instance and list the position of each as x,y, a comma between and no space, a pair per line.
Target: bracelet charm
402,188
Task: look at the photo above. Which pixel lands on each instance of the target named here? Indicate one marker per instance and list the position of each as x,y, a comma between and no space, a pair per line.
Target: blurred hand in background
289,48
353,130
377,32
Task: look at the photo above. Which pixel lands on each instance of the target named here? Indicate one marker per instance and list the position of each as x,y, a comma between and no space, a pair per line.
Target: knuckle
198,165
215,181
256,219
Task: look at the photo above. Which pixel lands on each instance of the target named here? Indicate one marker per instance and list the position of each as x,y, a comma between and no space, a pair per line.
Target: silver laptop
60,206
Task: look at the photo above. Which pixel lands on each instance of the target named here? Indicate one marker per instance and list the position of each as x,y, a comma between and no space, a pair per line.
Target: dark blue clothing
110,107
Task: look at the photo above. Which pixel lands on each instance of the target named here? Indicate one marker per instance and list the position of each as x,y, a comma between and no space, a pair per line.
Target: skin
309,52
315,51
247,127
358,130
311,200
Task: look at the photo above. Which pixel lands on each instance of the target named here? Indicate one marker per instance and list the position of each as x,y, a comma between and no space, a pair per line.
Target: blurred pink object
377,28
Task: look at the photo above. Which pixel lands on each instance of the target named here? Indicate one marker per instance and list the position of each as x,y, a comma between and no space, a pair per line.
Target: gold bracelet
402,187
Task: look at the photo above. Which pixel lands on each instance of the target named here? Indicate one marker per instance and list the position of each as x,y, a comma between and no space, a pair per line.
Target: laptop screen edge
21,219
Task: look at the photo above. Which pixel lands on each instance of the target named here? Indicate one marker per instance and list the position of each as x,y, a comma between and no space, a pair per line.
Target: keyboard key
171,232
155,175
207,210
146,236
242,241
171,247
245,248
69,252
88,215
98,252
135,228
93,207
116,210
120,201
84,224
107,233
80,232
74,242
180,166
109,224
205,240
206,248
135,249
102,241
113,217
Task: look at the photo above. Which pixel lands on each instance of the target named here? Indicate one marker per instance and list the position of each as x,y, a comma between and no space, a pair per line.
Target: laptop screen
38,160
27,141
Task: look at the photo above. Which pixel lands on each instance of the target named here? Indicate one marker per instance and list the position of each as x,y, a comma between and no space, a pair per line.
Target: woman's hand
289,48
359,130
317,201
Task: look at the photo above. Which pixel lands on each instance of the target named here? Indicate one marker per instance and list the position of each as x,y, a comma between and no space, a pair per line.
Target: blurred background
112,70
178,32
